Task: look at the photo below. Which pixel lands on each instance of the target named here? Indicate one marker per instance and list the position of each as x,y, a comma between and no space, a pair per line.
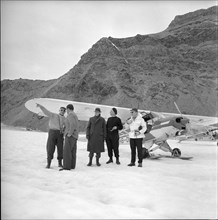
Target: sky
45,39
162,189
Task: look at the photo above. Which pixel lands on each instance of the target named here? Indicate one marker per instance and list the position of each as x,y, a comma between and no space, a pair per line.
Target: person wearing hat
137,128
113,125
96,134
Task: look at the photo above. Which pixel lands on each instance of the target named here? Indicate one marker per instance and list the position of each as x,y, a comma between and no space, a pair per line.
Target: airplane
161,126
159,129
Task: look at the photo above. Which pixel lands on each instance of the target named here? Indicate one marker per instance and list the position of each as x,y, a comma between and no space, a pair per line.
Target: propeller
188,125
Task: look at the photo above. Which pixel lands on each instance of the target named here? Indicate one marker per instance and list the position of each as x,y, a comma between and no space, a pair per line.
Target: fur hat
97,110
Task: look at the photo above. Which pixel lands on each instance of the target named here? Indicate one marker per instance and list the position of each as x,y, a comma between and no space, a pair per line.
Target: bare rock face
145,71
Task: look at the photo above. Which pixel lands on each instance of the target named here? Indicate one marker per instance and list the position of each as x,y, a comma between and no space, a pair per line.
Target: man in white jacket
137,128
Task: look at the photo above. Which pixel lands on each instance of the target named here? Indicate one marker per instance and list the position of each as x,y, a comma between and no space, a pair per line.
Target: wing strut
177,108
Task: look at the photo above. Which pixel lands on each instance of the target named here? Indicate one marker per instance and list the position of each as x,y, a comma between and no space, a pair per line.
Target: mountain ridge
146,71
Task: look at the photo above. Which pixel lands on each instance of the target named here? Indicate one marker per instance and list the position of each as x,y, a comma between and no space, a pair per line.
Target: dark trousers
55,138
98,155
112,142
70,149
136,143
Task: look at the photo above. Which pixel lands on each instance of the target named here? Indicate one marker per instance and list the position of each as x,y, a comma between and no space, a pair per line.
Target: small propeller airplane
160,126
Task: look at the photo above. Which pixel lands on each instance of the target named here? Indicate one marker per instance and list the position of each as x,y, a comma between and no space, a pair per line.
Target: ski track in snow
165,188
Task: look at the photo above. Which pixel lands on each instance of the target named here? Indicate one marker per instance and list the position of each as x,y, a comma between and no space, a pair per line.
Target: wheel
176,152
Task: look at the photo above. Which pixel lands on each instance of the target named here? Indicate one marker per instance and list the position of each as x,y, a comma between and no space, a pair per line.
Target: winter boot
131,164
60,163
140,165
117,161
109,161
97,162
90,161
48,163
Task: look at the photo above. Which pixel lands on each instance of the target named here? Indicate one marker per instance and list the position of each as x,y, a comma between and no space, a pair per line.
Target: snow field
165,188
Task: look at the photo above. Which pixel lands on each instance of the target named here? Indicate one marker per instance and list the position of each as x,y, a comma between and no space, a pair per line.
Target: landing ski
181,157
154,157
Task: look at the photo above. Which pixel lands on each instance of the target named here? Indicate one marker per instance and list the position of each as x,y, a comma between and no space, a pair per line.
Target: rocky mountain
146,71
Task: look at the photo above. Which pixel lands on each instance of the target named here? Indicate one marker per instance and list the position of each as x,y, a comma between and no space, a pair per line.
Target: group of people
64,131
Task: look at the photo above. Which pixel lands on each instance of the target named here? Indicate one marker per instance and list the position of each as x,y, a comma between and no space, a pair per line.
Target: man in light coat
71,136
137,128
55,134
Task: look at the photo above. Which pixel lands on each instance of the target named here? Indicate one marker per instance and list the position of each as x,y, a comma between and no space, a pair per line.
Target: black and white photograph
109,109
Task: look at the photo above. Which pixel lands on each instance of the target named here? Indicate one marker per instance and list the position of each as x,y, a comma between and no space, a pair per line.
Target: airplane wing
83,110
86,110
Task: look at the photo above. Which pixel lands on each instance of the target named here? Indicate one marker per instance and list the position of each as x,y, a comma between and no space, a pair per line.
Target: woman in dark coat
96,134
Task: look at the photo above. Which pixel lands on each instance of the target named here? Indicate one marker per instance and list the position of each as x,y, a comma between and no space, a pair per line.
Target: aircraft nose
181,122
185,121
188,125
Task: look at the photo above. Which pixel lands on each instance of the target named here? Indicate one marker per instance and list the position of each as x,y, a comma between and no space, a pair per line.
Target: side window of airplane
178,120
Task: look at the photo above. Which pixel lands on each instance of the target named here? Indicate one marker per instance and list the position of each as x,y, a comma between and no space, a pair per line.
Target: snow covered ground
165,188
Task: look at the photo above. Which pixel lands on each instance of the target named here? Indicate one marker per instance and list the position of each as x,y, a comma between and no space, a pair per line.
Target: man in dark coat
96,134
113,125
